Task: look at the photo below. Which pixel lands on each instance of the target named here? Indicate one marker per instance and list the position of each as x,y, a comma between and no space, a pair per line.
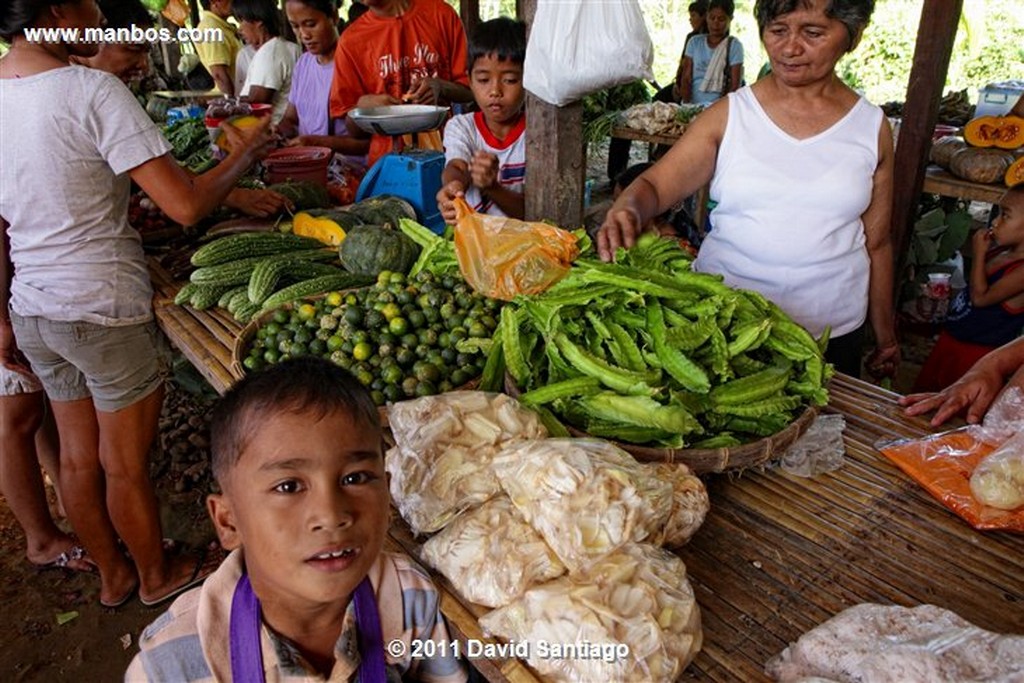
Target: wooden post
555,155
469,11
935,36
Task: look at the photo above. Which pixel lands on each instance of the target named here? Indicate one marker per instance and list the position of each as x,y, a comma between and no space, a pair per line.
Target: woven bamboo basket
708,460
241,346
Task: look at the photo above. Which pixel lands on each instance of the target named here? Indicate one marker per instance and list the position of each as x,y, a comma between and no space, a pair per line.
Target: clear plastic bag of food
631,617
998,480
819,450
871,643
491,554
1003,419
690,504
441,463
586,497
503,257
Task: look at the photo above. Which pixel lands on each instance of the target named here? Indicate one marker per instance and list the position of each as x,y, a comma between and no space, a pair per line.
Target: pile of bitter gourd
646,351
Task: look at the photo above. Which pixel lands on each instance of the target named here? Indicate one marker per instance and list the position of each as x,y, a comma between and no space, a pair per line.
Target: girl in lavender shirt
306,121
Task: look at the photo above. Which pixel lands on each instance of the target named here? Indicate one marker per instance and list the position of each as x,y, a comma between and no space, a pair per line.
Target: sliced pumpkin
1015,174
327,225
242,121
1005,132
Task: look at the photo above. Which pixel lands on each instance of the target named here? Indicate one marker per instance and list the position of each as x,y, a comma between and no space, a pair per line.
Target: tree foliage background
989,45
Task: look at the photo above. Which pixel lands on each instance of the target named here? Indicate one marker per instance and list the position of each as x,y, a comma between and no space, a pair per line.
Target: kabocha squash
1005,132
980,165
303,194
369,249
383,209
1015,174
327,225
944,148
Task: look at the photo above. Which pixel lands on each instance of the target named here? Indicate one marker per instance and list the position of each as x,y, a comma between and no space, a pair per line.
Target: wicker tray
241,344
708,460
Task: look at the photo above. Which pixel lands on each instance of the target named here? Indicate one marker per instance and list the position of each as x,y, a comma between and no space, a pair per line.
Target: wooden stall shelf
942,182
634,134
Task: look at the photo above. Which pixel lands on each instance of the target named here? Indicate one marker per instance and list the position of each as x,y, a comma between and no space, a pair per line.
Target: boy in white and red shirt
485,152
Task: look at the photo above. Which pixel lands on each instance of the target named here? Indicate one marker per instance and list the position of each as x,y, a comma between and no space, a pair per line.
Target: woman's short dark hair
726,6
700,7
303,384
502,37
18,15
259,10
853,14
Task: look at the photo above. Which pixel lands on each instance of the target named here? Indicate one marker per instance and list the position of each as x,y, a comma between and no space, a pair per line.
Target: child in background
990,311
269,76
304,508
486,151
306,120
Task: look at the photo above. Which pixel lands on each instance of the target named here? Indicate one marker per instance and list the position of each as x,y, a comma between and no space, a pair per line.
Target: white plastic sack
577,47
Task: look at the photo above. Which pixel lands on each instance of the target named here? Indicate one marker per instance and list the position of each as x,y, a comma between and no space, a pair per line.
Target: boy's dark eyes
356,478
289,486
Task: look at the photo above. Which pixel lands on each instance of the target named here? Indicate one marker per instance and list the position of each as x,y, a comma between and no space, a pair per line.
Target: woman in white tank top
801,167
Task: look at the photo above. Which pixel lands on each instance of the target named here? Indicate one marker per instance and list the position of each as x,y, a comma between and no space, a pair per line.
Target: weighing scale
410,173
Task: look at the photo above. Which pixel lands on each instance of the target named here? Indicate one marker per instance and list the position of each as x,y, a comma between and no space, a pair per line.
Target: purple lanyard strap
247,655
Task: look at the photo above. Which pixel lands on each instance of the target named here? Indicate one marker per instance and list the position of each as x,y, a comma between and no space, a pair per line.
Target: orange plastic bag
943,464
501,257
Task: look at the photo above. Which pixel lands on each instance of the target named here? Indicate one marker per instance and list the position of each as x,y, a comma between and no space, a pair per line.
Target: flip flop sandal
198,576
122,600
75,553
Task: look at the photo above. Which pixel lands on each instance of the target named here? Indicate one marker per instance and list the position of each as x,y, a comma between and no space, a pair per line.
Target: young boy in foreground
486,151
307,593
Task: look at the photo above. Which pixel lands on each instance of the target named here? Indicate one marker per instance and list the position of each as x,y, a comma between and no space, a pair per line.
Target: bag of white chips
690,504
631,617
491,554
586,497
441,463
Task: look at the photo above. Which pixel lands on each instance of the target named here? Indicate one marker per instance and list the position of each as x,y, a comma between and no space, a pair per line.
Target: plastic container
996,99
298,163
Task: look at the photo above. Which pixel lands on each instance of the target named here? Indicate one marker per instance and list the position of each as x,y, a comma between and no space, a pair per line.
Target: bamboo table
777,554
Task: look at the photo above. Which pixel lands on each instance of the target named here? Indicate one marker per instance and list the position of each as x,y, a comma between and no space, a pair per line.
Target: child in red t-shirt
411,51
990,312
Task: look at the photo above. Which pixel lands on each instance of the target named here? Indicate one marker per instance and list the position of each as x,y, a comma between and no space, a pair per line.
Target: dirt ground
94,643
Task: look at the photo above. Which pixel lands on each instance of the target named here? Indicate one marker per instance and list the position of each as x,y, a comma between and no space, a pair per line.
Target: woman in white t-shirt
269,76
801,168
78,310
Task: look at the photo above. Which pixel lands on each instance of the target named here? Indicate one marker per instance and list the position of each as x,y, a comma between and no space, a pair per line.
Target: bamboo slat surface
777,554
205,338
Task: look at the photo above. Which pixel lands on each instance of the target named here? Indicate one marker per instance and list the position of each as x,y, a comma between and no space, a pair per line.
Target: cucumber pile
403,337
647,351
251,272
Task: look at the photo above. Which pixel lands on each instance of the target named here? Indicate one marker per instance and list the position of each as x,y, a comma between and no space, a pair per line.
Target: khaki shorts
15,383
116,366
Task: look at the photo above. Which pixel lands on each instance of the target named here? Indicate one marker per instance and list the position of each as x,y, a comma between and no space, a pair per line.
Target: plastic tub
298,163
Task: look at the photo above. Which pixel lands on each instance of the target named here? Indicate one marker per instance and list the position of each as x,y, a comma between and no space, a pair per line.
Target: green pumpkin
369,249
